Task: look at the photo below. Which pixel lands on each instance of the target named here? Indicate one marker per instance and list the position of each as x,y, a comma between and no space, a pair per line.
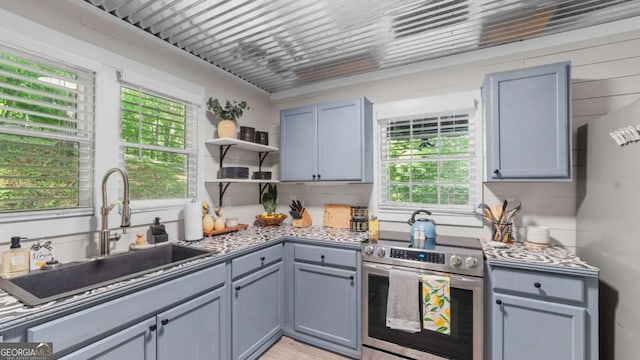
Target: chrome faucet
105,236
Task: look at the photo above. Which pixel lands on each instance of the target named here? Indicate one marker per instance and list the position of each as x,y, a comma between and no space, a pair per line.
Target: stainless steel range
459,258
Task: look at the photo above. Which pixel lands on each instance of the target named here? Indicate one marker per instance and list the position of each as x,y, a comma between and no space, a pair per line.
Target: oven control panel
423,256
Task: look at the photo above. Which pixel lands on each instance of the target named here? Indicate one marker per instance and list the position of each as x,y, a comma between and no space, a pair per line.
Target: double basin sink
42,286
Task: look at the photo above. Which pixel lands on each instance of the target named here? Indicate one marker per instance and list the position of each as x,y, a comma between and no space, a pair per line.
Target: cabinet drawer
325,255
538,283
256,260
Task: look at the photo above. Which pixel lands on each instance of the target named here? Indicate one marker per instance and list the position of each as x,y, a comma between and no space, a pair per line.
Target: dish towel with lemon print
436,304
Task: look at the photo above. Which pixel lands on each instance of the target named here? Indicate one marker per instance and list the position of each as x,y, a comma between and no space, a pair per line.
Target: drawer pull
164,321
499,302
351,278
537,285
322,258
314,176
153,327
262,260
237,289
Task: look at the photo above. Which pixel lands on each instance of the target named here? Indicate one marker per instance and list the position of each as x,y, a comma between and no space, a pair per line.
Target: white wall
605,77
85,35
608,228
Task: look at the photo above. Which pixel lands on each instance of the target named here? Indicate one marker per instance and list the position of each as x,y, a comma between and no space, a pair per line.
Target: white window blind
429,161
158,144
46,135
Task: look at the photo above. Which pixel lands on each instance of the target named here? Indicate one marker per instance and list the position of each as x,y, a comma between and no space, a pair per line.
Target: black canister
247,133
262,137
360,211
359,224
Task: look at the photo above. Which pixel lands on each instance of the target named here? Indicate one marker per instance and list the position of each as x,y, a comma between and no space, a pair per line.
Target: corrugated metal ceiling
282,44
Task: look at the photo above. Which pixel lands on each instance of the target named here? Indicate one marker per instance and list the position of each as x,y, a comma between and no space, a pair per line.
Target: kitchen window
158,144
430,157
46,136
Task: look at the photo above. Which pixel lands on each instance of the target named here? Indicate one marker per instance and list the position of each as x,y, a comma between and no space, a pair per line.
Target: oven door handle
385,269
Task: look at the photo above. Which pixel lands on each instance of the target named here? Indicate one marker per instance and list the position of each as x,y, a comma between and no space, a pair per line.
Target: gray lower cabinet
539,314
165,321
530,329
528,123
325,303
135,342
257,311
327,142
174,334
193,330
323,297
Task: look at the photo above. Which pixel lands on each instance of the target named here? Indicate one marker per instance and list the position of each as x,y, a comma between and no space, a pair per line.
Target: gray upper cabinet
298,160
528,123
327,142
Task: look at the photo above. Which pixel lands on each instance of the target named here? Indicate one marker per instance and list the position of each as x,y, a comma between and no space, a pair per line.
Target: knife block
304,222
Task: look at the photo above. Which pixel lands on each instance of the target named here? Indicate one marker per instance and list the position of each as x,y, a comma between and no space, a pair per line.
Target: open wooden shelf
243,145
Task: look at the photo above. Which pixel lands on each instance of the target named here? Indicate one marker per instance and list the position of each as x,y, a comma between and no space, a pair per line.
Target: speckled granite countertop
553,258
14,313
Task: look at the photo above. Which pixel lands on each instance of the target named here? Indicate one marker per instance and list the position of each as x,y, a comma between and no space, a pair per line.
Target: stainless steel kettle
424,226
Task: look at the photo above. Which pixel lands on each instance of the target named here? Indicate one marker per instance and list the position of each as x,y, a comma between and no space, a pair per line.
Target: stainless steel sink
42,286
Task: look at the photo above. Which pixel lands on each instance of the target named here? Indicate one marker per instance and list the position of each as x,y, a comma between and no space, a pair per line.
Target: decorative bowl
271,221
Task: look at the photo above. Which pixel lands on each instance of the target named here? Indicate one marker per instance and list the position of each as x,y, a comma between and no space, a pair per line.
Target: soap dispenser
158,232
15,260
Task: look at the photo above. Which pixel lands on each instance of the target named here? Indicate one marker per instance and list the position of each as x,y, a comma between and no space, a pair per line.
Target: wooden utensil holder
502,232
304,222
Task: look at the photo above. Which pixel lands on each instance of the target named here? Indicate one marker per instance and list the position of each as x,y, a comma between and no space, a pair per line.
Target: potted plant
227,115
270,203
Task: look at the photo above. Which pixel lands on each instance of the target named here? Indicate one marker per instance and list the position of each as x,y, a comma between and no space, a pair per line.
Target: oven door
465,340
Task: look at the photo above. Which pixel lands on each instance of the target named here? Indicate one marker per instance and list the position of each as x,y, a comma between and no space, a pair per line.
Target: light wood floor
289,349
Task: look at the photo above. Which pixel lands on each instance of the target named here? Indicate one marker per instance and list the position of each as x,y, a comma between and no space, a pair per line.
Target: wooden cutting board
337,215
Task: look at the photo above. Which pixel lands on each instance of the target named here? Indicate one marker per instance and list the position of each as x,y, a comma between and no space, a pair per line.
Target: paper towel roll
192,221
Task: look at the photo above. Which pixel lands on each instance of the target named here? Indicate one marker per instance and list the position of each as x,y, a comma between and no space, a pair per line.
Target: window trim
60,62
43,41
160,89
421,106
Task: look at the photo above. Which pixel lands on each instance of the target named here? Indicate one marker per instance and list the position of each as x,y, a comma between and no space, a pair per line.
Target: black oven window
458,345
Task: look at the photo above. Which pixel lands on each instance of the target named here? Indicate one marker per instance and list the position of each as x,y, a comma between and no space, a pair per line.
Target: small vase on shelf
219,224
227,129
208,223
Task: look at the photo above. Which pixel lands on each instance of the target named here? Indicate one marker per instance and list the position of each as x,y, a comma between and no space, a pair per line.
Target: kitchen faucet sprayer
105,236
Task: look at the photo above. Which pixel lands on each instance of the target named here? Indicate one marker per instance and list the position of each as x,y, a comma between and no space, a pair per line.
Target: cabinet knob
496,171
499,302
322,258
153,327
351,278
237,289
314,176
318,177
164,321
262,260
537,285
